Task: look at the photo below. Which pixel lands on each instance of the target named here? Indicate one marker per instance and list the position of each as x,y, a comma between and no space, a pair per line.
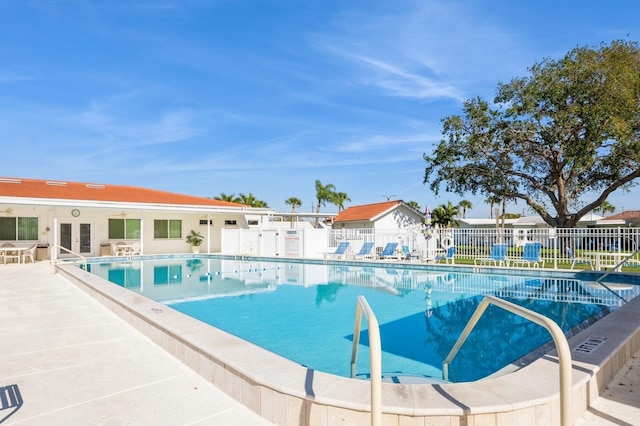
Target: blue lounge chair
498,256
342,251
578,260
365,252
531,255
408,255
448,256
389,251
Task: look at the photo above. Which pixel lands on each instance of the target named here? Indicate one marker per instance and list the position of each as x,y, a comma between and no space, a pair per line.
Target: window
167,228
253,222
229,222
124,229
204,221
19,228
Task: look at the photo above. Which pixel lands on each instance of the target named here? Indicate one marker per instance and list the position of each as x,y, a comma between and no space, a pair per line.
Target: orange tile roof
626,215
365,211
35,188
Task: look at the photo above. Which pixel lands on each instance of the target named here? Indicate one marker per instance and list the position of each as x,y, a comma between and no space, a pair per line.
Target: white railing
54,257
608,246
562,346
375,356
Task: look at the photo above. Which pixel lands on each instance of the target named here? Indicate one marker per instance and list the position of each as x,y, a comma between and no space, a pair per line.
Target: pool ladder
562,346
375,356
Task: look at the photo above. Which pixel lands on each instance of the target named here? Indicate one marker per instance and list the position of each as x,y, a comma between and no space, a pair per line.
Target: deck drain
590,345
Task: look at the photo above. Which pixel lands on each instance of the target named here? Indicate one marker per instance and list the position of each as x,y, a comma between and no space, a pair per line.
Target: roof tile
365,211
36,188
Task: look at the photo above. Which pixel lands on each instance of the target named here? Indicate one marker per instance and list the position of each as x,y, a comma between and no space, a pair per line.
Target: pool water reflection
305,312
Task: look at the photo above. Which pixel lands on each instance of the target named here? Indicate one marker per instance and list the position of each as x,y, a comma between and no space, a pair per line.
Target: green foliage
251,200
194,238
465,205
569,129
294,202
339,198
227,197
445,215
414,204
248,200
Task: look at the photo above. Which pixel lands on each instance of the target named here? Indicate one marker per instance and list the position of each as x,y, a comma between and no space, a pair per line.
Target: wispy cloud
7,77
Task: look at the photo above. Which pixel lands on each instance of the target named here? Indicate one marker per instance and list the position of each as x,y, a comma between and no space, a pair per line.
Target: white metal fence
606,245
609,245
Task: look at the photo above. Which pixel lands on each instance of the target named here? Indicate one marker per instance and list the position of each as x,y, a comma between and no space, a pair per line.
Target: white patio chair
29,254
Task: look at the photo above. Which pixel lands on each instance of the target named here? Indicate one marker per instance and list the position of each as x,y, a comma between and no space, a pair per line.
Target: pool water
306,312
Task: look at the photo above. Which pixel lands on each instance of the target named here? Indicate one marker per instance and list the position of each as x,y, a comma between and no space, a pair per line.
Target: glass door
75,236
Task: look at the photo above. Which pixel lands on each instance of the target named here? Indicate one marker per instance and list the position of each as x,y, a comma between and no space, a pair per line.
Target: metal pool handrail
54,258
375,356
562,346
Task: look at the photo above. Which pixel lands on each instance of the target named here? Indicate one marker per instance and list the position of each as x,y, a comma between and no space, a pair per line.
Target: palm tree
445,215
493,200
228,197
324,193
605,207
339,199
465,205
414,204
251,200
293,202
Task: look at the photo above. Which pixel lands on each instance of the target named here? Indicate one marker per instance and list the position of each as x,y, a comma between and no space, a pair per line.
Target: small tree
324,193
445,215
465,205
339,198
293,202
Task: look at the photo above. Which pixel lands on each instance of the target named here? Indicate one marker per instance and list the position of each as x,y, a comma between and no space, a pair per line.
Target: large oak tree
562,139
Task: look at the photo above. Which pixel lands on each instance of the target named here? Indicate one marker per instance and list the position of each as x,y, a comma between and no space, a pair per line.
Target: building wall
51,219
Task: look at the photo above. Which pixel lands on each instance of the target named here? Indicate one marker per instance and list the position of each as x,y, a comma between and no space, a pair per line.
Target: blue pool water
306,312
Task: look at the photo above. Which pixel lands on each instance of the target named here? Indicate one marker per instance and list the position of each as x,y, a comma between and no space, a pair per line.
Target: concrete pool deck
76,362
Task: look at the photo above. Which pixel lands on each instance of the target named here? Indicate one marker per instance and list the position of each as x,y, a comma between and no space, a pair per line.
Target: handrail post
559,339
375,356
54,257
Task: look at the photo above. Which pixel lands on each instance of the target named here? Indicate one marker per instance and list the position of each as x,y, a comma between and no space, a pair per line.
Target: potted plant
195,239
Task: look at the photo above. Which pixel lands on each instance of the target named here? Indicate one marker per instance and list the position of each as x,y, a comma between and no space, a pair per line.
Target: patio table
19,249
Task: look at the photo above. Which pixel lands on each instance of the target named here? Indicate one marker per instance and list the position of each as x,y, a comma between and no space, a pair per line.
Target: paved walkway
76,363
619,403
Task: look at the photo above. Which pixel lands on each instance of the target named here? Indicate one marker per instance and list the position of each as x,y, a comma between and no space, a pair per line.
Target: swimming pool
305,312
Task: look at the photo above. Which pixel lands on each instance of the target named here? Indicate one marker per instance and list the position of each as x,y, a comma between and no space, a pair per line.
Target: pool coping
287,393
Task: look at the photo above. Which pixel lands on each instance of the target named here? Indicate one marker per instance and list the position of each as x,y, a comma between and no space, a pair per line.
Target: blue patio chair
498,256
342,250
531,255
578,260
389,251
10,399
448,256
408,255
365,252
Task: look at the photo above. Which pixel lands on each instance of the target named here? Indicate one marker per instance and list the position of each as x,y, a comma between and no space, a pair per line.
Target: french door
75,236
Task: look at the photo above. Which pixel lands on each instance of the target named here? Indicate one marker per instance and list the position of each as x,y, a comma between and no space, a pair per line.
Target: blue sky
264,97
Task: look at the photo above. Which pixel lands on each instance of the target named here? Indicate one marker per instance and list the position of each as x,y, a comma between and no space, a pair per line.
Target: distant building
387,215
627,218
